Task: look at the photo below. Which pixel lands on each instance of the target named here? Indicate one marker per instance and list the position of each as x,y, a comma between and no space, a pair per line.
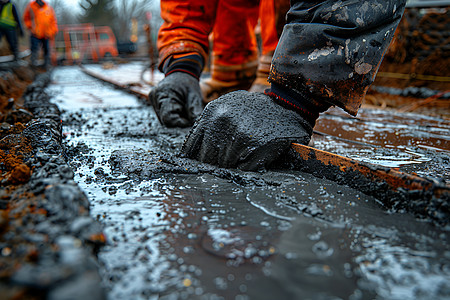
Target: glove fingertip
175,121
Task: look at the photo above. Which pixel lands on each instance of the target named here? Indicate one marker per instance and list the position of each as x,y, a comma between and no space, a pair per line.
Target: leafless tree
20,5
63,13
128,10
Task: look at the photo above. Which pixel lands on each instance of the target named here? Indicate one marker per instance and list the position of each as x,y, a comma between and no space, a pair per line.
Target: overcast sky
72,4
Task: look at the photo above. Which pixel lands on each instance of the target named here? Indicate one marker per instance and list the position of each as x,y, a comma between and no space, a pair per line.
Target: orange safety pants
233,36
188,24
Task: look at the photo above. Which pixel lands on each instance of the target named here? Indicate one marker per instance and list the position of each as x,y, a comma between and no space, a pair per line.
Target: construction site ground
95,202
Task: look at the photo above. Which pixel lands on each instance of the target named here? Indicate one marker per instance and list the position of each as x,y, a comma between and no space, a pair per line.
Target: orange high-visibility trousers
188,23
235,48
234,40
272,15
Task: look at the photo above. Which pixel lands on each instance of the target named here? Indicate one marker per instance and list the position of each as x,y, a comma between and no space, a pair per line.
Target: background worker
40,19
328,55
9,23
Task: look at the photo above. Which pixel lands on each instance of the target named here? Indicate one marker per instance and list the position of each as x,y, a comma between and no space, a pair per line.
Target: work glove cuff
294,100
191,64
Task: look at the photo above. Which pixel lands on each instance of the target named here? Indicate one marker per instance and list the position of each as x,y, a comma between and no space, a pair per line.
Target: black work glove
246,131
177,100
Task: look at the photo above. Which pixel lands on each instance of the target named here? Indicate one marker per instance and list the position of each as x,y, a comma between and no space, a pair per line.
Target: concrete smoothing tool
424,197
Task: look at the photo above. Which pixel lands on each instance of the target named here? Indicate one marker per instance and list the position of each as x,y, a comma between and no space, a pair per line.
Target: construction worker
328,55
235,64
234,52
272,14
235,57
9,23
40,19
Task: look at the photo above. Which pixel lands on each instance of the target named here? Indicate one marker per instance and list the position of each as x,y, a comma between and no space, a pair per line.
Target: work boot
47,63
225,79
16,55
18,61
33,60
261,82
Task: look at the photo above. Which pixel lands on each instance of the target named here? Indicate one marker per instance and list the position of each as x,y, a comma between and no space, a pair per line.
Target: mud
180,229
48,239
413,143
234,132
420,48
417,92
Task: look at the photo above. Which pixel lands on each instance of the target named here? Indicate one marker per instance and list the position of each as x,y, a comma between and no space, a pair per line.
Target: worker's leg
2,33
234,50
272,15
183,37
183,46
11,37
34,45
46,49
329,52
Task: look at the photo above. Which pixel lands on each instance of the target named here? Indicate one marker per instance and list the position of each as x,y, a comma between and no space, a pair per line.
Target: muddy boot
18,61
47,63
33,60
16,55
226,79
261,82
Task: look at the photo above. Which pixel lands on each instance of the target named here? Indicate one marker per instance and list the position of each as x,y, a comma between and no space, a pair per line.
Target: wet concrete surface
411,142
178,229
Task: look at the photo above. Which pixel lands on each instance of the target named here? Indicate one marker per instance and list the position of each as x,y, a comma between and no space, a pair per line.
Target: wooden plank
424,197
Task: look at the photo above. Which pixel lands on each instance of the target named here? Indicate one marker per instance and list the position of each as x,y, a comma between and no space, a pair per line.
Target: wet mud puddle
412,143
229,234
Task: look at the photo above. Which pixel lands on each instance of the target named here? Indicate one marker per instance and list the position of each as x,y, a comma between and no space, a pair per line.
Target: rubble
48,238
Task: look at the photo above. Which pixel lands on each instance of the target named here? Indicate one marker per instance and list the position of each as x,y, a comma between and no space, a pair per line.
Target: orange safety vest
41,21
6,17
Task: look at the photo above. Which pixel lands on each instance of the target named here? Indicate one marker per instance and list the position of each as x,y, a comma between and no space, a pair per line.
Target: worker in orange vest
39,17
328,55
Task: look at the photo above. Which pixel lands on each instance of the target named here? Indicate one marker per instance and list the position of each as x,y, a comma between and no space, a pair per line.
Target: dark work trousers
11,37
35,43
330,51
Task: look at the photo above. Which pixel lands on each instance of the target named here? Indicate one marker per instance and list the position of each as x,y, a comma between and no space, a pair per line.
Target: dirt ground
13,117
39,202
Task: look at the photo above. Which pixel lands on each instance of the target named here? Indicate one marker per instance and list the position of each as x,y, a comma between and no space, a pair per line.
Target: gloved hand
177,100
244,130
